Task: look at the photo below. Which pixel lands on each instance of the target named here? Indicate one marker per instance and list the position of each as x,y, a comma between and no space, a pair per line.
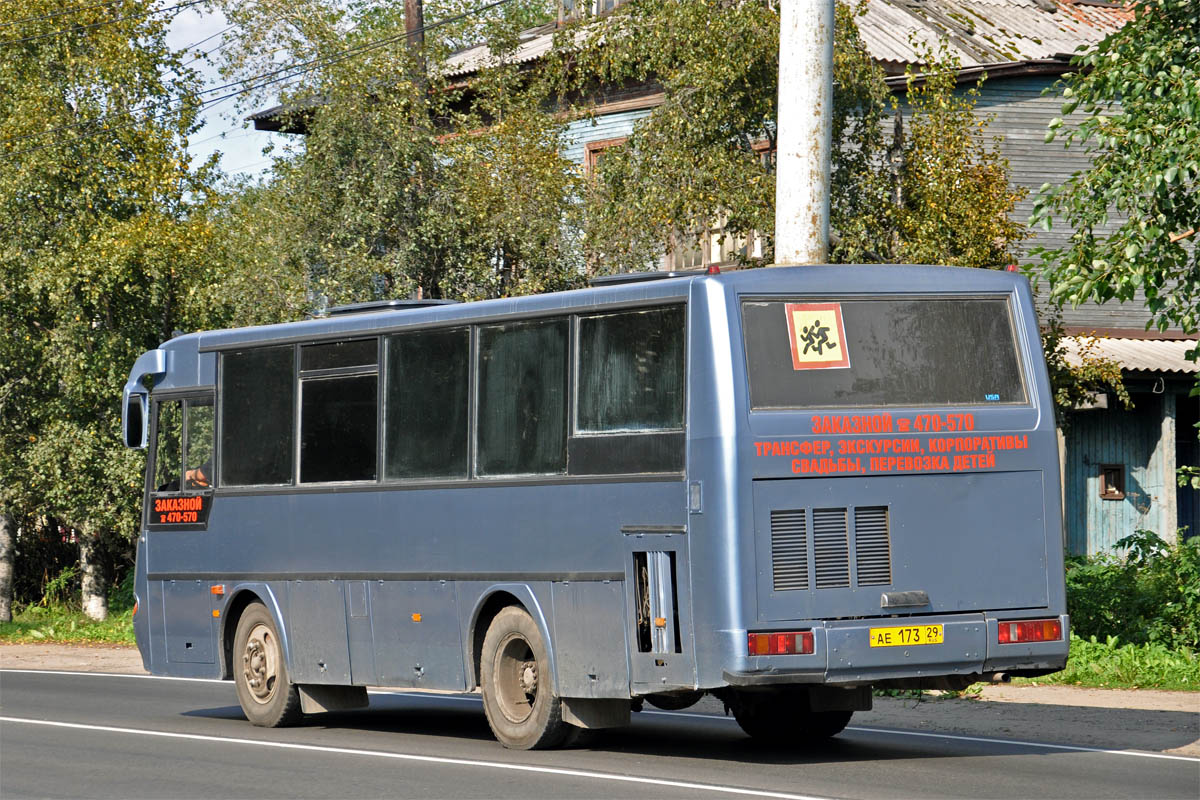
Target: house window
1112,481
594,153
573,9
712,245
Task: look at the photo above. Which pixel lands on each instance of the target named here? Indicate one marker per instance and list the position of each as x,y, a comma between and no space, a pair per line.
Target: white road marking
109,675
461,762
963,738
885,731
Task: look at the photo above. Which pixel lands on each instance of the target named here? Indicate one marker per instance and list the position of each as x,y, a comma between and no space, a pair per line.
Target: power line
206,53
223,135
303,67
78,28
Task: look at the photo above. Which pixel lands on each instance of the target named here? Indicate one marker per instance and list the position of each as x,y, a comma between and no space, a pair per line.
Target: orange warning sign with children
818,335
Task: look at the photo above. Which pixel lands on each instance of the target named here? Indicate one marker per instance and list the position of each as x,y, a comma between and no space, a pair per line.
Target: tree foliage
1135,212
408,180
106,242
938,193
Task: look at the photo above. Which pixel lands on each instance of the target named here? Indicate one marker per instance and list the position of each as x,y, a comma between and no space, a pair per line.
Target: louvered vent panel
831,548
872,546
789,550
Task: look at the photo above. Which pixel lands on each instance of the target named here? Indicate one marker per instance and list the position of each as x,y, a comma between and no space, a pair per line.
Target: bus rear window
879,352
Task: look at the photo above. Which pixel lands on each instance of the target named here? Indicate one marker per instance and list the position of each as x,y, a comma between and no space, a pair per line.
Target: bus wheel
518,696
267,696
784,718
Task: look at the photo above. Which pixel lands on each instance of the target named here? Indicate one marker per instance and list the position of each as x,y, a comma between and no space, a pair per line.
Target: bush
1110,664
1152,596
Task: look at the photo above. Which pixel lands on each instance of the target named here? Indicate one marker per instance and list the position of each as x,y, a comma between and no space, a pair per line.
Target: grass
1109,664
35,624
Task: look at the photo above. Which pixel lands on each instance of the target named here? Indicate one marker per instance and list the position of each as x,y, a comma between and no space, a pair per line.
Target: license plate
906,636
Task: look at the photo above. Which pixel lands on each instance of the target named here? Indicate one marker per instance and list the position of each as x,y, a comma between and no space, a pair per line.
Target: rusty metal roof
978,31
999,33
985,31
1136,355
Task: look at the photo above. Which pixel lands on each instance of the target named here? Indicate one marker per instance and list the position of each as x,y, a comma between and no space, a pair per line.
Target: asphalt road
95,735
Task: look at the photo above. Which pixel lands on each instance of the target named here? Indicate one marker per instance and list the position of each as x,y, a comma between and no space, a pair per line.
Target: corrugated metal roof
1136,355
984,31
535,43
894,31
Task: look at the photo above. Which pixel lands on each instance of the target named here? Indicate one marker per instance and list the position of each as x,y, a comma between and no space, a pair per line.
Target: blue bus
784,487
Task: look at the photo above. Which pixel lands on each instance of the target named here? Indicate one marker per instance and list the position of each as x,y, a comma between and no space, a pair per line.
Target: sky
239,144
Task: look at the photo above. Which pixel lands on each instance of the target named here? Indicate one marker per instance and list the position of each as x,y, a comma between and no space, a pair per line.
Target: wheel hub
258,664
529,678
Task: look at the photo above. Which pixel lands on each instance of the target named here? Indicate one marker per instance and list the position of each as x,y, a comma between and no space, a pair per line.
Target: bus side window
427,406
631,371
198,461
168,445
339,397
257,396
522,424
630,393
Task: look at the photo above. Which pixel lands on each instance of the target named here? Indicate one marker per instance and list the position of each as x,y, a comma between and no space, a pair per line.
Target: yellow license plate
906,636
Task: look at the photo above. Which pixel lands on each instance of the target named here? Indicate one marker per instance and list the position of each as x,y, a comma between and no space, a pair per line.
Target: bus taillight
1030,630
780,644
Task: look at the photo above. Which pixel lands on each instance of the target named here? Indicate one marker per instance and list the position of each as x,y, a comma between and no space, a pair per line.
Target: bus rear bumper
843,655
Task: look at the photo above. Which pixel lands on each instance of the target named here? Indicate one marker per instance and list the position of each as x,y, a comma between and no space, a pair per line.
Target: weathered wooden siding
1019,114
1143,440
609,126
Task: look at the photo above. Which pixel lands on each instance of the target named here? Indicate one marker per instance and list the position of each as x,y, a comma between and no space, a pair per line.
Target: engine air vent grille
789,550
872,546
831,548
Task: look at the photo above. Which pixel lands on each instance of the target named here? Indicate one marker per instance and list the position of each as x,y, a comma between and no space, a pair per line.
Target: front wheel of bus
264,690
785,718
518,696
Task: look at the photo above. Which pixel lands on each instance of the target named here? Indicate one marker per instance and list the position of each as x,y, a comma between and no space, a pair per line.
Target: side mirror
134,419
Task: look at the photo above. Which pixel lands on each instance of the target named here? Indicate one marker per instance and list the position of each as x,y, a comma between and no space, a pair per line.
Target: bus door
180,487
661,652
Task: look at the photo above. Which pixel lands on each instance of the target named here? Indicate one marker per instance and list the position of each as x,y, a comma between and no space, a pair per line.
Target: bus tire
785,718
518,692
267,695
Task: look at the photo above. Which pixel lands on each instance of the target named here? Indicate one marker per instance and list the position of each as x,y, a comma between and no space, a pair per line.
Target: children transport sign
818,336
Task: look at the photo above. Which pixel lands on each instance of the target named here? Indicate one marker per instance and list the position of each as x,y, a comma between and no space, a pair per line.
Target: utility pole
803,143
414,24
414,28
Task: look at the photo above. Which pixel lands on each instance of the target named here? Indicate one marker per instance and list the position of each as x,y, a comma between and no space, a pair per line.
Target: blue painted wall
1114,436
595,129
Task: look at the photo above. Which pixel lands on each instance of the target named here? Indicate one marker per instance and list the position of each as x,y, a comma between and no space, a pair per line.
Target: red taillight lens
779,644
1030,630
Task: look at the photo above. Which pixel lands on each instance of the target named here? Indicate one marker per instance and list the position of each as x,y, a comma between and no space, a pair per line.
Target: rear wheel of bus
267,695
784,717
518,694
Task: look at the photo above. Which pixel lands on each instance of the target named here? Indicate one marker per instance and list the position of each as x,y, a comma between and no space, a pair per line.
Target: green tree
1135,212
409,182
954,198
106,238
